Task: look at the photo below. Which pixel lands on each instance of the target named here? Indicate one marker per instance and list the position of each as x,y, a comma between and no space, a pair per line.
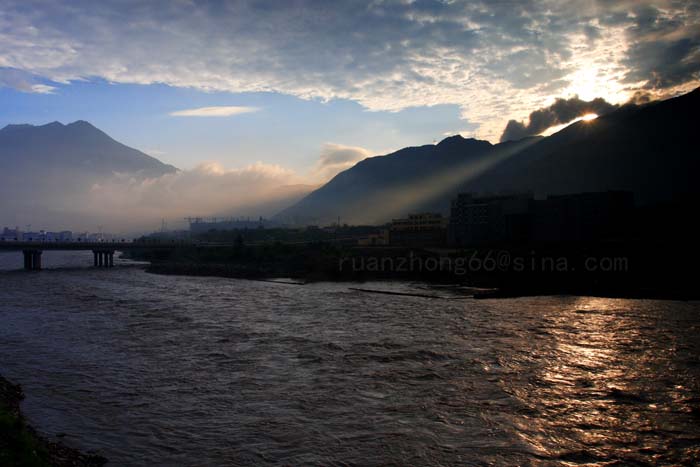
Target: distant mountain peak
459,140
28,126
16,126
54,124
78,146
81,123
647,150
451,139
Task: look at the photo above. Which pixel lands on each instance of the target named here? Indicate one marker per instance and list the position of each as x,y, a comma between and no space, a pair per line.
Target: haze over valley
76,176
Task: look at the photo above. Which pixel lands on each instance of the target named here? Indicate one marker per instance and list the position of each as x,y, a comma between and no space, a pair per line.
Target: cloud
207,189
665,48
23,81
218,111
562,111
335,158
497,60
127,202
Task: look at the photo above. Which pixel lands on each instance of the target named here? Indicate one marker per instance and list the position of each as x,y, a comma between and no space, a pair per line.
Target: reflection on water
208,371
619,380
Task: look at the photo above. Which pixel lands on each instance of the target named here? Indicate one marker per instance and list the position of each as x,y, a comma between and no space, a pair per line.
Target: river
165,370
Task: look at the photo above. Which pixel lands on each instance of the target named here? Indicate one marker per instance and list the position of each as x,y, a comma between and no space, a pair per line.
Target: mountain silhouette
411,179
48,173
78,146
649,150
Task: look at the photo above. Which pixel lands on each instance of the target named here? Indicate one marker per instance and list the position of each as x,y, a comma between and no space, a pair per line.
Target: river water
161,370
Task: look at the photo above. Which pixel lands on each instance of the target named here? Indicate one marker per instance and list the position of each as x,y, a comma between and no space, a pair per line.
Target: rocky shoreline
21,444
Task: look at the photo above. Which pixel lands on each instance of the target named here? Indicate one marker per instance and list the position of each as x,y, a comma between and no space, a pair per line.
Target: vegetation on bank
19,445
22,446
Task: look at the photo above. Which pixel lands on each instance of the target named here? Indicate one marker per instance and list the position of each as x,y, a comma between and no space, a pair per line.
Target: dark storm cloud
562,111
665,63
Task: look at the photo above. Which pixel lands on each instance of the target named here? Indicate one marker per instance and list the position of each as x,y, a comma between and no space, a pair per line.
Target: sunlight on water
180,371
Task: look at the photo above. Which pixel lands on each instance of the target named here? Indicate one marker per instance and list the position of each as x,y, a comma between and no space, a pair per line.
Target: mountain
409,180
50,174
78,146
649,150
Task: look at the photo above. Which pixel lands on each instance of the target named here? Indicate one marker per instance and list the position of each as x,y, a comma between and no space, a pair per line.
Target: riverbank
308,263
21,445
614,271
479,289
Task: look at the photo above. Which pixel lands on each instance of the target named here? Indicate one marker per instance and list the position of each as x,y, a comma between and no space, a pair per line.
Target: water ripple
205,371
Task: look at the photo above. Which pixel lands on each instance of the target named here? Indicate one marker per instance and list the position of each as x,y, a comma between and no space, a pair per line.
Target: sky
271,127
310,87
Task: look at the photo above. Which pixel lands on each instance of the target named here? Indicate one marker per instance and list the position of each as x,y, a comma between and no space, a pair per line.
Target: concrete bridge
103,252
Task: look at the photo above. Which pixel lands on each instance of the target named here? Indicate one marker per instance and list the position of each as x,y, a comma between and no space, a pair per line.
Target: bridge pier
103,252
32,260
103,258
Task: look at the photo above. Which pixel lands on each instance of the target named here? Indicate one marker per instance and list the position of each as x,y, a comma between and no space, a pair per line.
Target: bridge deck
121,246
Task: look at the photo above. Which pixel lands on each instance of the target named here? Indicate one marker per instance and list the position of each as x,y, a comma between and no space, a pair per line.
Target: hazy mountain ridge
378,188
75,176
78,146
648,150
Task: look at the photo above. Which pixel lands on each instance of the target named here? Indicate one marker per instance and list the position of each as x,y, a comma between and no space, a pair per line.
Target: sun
583,118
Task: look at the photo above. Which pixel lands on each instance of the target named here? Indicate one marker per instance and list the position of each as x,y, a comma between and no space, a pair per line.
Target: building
33,236
582,217
418,230
199,225
64,236
375,239
478,220
10,235
518,219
